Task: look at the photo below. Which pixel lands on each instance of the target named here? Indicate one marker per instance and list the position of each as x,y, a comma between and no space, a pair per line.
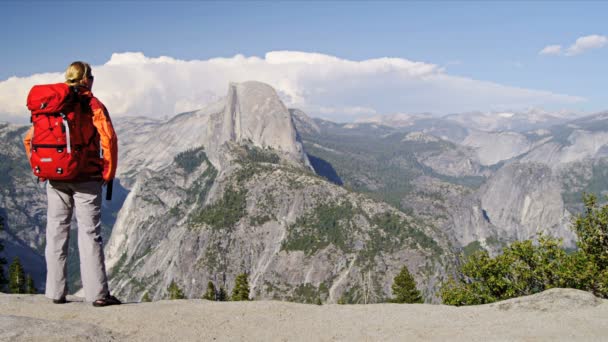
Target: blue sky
498,42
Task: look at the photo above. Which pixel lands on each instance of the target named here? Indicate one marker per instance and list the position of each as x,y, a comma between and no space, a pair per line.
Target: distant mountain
518,121
483,188
236,193
316,210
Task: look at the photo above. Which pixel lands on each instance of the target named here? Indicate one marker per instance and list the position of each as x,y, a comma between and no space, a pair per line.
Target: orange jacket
96,129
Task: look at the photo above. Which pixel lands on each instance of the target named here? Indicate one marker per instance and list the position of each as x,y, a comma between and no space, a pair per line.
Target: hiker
92,144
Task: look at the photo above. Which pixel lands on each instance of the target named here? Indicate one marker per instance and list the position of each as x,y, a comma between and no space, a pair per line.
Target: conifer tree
3,280
16,277
146,297
29,285
222,296
241,288
210,294
404,288
174,291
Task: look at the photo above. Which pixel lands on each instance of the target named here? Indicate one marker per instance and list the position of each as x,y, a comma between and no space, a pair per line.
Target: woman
82,194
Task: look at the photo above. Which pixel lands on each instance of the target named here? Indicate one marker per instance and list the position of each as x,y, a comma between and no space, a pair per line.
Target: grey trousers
85,198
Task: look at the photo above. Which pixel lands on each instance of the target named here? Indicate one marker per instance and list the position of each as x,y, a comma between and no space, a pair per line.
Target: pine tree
222,296
404,288
3,280
174,291
16,277
146,297
29,285
210,294
241,288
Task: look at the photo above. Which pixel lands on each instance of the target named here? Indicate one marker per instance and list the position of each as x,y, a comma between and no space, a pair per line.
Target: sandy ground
557,314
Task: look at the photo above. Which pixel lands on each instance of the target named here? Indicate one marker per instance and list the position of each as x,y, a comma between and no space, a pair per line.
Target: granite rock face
251,204
251,113
22,204
525,198
494,147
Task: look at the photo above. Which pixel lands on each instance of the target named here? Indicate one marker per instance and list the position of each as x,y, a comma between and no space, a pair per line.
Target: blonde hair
76,73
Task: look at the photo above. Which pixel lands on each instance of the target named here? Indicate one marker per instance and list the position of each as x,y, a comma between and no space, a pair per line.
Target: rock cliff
243,198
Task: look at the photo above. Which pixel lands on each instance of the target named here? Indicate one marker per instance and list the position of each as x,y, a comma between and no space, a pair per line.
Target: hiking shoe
60,301
107,301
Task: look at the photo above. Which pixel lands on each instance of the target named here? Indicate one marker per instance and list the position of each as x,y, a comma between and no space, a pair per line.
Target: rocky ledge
557,314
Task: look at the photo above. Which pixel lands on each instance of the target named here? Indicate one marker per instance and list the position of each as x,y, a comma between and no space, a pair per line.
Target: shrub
526,268
522,269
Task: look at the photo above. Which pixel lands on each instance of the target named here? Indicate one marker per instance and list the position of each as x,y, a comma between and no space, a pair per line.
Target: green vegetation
29,285
3,280
248,170
351,296
253,161
191,159
197,192
404,288
222,295
119,265
174,291
259,220
138,285
213,294
16,277
254,154
226,212
597,184
210,293
241,288
376,162
526,268
310,294
471,248
328,223
146,298
394,231
591,228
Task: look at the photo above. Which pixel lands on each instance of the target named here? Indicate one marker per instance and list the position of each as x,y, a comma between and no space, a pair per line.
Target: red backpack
56,147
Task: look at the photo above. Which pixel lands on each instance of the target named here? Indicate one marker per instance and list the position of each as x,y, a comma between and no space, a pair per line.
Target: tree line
240,292
18,281
404,290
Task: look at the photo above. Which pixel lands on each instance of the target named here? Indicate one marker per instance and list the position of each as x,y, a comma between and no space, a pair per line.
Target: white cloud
551,50
133,84
583,44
